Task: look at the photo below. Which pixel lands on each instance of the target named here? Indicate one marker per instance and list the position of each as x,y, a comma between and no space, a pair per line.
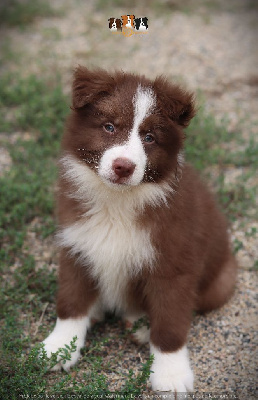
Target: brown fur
195,268
125,20
118,23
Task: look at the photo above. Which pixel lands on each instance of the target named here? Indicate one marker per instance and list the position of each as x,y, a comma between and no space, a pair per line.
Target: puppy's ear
178,104
89,85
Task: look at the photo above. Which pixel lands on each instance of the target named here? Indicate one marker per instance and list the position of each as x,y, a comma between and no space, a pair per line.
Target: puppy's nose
123,167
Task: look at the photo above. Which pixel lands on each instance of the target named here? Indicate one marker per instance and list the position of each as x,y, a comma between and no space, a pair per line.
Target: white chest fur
108,237
114,249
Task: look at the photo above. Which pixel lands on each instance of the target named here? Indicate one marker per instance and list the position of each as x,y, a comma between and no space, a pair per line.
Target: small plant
143,321
252,232
238,245
135,385
63,354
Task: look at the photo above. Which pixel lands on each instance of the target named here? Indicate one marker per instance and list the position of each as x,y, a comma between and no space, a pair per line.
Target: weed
251,232
238,200
203,139
136,384
238,245
203,149
141,322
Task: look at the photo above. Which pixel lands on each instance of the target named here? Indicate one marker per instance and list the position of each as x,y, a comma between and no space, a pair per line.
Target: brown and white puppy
139,232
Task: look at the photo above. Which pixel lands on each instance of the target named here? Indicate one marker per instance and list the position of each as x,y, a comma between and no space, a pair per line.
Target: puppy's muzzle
123,167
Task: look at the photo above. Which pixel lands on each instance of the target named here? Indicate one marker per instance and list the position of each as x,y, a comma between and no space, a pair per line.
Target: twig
41,318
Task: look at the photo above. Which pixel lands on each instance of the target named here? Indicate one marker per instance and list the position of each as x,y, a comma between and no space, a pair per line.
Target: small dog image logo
141,24
128,21
115,24
128,25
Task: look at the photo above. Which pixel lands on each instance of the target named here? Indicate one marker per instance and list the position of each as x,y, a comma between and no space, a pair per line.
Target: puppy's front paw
171,371
54,345
61,338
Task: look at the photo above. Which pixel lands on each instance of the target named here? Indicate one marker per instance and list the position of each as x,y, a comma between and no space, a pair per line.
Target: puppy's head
127,128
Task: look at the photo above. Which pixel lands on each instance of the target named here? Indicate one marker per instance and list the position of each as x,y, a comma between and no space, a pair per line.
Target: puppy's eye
109,128
149,138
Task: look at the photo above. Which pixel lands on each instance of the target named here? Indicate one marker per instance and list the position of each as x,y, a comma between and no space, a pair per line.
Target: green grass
204,139
36,108
23,12
26,191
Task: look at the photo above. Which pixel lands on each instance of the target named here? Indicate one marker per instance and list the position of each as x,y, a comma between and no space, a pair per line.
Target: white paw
52,347
62,335
171,371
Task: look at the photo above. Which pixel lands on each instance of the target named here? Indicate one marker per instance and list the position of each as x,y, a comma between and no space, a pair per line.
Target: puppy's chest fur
112,246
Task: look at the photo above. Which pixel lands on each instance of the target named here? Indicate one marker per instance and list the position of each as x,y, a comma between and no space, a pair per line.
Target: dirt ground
209,46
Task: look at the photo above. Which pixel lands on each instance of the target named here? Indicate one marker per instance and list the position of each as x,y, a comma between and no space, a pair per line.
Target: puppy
139,232
141,24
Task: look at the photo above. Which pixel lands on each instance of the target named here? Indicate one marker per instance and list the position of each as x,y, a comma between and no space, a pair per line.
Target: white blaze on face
133,150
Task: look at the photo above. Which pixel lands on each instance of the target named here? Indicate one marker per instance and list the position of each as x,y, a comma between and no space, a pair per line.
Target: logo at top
128,25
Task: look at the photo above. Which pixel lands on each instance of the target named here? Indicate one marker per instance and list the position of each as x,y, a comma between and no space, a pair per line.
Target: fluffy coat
139,232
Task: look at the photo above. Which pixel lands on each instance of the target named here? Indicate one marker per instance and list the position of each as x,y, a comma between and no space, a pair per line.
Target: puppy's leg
76,298
171,371
217,292
62,335
170,304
